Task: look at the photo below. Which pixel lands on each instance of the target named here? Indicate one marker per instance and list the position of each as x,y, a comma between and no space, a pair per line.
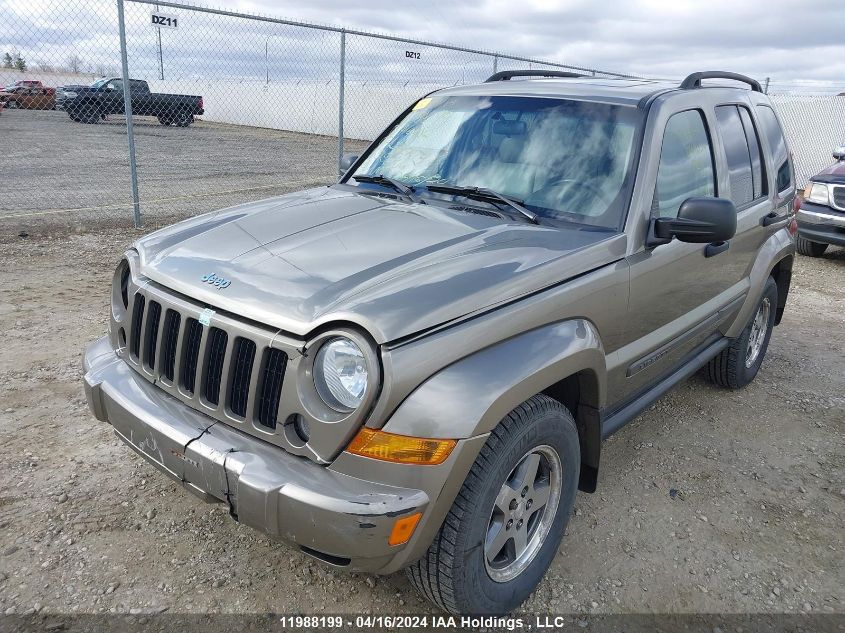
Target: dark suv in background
821,216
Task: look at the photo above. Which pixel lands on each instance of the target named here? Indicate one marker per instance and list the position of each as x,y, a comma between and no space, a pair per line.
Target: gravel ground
712,501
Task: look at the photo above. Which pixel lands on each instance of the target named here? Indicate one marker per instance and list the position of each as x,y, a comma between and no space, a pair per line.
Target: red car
821,216
24,83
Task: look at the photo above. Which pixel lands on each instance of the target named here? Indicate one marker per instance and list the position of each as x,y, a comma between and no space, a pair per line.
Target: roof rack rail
694,80
507,75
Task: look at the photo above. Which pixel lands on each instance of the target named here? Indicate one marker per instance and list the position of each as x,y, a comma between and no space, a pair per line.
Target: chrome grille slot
243,359
137,319
151,334
169,344
270,388
215,354
190,355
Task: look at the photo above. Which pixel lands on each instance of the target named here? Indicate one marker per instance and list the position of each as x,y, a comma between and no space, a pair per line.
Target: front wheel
506,523
809,247
738,364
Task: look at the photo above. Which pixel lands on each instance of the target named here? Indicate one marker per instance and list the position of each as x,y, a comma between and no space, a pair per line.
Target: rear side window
736,153
742,151
757,162
777,145
686,163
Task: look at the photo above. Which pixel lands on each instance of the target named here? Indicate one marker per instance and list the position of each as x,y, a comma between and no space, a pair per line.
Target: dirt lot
711,502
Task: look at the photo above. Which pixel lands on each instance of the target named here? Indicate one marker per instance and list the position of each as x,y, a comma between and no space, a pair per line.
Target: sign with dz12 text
165,20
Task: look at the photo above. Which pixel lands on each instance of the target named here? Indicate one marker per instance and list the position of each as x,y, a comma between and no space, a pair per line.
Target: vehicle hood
835,174
395,268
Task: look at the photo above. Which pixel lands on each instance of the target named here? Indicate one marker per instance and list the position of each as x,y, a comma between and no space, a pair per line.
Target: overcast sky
799,44
787,40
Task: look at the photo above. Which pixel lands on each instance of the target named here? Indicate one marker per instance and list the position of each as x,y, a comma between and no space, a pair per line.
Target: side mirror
346,161
699,221
839,152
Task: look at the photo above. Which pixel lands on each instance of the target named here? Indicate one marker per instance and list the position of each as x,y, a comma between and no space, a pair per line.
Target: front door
680,292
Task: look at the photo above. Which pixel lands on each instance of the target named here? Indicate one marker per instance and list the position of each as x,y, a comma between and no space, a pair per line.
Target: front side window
777,145
565,160
686,164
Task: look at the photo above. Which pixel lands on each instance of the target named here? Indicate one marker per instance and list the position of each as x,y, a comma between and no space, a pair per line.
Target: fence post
341,90
127,110
160,53
766,88
495,64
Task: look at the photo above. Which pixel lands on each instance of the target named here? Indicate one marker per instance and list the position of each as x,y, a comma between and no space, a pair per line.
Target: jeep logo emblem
217,282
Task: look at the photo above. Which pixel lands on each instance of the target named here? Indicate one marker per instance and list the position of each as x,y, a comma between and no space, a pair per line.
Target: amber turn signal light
403,529
402,449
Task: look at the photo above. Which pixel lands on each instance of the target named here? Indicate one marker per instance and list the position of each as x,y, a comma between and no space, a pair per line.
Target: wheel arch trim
471,396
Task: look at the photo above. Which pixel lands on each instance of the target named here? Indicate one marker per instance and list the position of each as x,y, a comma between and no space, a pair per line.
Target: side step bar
618,419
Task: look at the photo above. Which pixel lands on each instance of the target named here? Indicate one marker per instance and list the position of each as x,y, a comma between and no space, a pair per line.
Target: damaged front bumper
341,519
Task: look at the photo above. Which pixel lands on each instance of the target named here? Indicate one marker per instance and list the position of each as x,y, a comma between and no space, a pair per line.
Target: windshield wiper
387,181
487,195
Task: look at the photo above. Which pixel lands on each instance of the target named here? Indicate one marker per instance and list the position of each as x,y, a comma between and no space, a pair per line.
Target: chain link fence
226,107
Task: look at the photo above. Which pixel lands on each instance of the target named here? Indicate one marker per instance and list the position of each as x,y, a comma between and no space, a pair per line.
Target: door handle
773,218
716,247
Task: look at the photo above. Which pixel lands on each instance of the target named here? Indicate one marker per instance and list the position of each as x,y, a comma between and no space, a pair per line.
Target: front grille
839,197
226,369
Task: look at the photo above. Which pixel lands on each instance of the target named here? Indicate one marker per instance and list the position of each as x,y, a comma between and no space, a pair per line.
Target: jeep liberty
416,366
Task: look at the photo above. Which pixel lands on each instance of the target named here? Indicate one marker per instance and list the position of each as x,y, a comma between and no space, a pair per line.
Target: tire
163,120
11,105
810,248
90,116
456,573
184,119
737,365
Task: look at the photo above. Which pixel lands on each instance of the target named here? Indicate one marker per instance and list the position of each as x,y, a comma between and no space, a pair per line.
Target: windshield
564,160
99,83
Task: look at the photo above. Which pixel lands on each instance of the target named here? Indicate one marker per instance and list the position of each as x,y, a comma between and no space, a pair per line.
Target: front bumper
341,519
821,224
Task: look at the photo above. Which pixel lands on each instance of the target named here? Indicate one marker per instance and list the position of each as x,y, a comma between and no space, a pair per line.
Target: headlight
817,192
69,93
341,374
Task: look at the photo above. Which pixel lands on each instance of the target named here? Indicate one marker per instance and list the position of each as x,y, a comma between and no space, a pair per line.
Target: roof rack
507,75
694,80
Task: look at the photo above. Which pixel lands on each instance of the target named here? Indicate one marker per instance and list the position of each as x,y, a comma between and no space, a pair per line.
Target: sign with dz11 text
165,20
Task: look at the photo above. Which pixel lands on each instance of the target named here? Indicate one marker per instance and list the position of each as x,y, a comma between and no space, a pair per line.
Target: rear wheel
810,248
184,119
165,120
505,525
91,115
11,104
739,363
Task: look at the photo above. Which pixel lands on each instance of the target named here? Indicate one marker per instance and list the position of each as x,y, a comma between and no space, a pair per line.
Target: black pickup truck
93,103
